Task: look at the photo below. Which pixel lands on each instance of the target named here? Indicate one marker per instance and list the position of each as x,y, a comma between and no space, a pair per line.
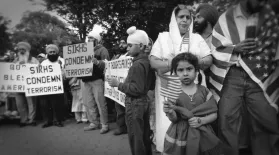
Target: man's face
122,45
22,51
200,24
51,51
40,59
92,39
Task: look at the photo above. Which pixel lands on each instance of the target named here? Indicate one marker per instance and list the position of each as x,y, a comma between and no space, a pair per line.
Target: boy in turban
136,86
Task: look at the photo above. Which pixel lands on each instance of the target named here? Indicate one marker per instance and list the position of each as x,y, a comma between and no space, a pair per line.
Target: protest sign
12,77
43,80
78,59
119,69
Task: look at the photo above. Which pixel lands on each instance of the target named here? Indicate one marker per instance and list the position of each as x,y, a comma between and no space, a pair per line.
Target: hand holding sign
113,82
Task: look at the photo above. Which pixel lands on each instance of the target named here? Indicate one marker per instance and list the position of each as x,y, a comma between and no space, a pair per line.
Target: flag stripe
220,72
217,85
271,78
216,78
223,25
274,96
232,28
217,29
273,86
221,64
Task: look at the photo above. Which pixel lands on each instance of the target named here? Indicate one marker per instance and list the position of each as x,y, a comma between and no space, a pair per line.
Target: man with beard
53,103
206,18
245,74
120,110
93,88
26,105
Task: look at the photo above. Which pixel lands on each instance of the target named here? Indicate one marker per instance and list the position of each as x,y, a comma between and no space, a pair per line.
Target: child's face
133,50
186,72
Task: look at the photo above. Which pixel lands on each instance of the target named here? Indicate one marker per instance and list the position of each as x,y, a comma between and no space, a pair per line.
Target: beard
122,50
53,57
200,27
23,56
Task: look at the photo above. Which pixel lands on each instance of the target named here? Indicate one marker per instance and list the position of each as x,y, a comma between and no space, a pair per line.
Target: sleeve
204,49
104,56
156,49
135,86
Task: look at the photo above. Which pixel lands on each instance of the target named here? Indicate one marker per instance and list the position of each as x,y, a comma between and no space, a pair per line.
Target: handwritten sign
12,77
119,69
78,59
43,80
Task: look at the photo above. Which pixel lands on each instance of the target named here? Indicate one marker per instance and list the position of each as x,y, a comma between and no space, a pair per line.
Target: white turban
96,32
137,36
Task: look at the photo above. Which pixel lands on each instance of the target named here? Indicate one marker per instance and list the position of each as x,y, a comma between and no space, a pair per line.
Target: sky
14,9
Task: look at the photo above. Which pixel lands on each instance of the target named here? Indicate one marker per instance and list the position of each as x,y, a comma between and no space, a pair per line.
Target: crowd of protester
215,102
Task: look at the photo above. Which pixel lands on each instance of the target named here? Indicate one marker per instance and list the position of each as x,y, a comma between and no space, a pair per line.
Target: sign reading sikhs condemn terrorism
12,77
78,59
43,80
119,69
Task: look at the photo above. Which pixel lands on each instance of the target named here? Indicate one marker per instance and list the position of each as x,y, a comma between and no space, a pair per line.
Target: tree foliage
39,29
5,42
116,16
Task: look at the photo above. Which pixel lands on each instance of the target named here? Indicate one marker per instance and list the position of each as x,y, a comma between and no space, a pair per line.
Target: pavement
68,140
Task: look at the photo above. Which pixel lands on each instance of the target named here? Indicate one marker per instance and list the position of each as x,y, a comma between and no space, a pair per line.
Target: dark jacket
140,78
100,53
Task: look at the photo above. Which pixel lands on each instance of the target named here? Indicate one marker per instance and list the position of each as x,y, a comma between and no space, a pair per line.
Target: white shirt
242,22
47,62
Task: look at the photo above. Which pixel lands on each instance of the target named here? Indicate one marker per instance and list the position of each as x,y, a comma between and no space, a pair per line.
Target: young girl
190,132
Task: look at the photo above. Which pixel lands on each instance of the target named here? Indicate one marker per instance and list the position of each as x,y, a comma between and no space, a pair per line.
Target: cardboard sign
12,77
43,80
78,59
119,69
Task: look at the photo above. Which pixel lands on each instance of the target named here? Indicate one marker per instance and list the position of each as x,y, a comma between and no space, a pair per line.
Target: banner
43,80
119,69
12,77
78,59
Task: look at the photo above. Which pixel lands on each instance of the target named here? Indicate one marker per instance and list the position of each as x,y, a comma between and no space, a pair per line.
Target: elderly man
245,74
93,89
53,103
26,105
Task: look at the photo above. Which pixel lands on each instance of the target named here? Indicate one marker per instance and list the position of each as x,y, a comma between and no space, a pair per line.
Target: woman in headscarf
179,39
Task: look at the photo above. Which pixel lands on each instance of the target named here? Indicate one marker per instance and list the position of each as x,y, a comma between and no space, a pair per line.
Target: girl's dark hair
190,58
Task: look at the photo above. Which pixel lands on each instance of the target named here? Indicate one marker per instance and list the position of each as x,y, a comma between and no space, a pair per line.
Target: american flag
259,63
170,87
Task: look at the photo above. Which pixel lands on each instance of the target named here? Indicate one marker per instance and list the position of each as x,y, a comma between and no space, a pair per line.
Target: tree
116,16
81,14
5,41
39,29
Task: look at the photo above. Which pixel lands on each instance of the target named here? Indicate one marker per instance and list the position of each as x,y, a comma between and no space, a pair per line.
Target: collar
238,12
140,57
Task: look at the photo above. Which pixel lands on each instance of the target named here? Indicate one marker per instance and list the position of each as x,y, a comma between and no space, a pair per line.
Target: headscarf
175,33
